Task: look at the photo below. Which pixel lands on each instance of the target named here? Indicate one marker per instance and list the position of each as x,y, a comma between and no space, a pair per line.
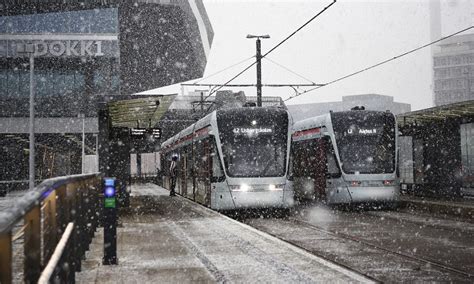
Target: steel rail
360,241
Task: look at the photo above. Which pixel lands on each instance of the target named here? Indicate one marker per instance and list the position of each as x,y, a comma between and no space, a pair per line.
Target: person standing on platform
173,174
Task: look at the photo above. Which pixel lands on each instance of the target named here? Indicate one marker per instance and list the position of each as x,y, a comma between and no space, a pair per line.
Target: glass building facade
86,52
76,59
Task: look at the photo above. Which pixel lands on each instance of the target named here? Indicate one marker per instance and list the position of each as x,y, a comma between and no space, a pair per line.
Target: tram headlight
388,182
242,187
276,187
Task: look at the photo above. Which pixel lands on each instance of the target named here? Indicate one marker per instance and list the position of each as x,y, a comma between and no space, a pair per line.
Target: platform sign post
110,222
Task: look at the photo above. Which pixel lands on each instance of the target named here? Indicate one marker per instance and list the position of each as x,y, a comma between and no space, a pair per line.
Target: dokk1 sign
68,48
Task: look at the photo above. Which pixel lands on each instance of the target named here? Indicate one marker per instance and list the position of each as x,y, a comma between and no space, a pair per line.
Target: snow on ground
183,242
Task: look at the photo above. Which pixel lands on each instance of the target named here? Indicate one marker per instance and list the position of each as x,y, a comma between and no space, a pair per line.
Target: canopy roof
437,114
139,111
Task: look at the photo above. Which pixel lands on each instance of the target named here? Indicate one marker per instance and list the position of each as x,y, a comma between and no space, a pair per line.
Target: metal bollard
110,222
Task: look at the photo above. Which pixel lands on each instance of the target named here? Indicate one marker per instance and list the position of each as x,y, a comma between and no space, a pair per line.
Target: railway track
425,220
378,263
424,261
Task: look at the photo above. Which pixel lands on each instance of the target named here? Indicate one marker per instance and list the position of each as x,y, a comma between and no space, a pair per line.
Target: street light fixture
259,67
258,36
29,49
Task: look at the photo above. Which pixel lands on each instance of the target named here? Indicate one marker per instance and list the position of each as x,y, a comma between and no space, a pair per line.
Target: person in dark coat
173,174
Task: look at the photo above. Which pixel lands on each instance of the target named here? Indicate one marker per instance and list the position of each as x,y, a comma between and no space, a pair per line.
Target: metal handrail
56,257
46,212
24,204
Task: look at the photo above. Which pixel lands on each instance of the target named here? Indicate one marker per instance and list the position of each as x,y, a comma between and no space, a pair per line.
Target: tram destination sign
252,131
364,131
142,133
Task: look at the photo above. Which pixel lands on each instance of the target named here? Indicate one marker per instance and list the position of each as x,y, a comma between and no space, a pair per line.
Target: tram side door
332,170
202,172
189,174
320,169
183,166
208,172
216,172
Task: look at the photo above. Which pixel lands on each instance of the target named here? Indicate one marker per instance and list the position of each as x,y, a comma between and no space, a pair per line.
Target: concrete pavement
166,239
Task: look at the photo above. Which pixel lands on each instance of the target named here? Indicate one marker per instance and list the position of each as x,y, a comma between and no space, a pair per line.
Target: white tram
346,157
233,158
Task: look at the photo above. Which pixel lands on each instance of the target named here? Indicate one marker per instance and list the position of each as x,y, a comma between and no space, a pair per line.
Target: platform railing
59,217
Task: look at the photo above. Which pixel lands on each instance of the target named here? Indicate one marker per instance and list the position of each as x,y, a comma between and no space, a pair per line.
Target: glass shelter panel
467,153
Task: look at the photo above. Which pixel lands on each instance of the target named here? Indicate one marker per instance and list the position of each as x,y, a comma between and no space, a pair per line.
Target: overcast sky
349,36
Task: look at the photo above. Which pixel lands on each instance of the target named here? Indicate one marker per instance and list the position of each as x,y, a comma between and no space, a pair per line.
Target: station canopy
437,114
139,110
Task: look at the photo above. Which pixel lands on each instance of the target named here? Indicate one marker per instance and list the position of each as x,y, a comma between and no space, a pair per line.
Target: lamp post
83,155
29,49
259,67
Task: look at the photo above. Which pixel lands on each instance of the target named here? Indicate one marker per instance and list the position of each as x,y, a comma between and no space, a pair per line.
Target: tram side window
217,171
332,166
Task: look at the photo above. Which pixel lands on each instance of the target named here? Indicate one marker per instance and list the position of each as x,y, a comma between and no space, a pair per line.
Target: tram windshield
365,141
254,141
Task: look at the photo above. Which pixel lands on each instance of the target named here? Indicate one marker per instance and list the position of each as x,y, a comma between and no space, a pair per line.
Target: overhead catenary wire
271,50
289,70
223,70
380,63
300,28
254,85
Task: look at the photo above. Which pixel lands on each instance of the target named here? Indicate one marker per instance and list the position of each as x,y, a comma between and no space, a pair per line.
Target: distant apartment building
453,65
452,58
369,101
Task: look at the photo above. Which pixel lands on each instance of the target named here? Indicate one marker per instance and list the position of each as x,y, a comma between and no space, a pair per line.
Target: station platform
163,239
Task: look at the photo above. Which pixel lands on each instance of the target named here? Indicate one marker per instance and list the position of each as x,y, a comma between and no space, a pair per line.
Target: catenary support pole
259,74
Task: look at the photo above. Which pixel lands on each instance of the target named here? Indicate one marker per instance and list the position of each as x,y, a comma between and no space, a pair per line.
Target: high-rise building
453,65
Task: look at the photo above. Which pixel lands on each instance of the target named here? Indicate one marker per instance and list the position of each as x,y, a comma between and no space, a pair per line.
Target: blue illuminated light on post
109,193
